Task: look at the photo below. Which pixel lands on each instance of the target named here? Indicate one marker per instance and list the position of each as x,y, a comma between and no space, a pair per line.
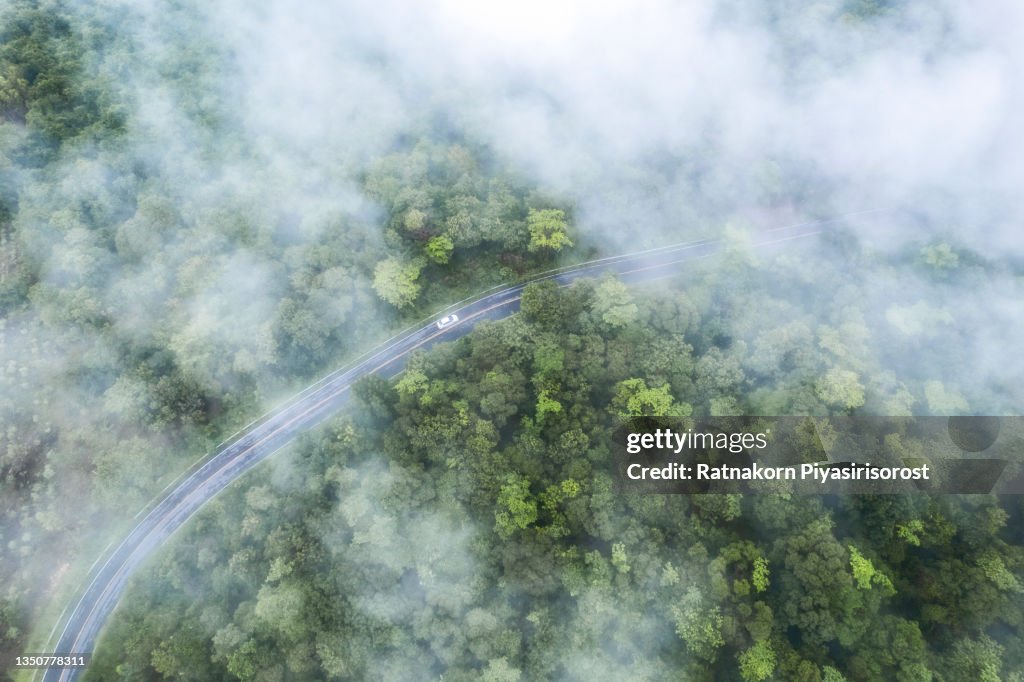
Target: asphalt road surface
317,403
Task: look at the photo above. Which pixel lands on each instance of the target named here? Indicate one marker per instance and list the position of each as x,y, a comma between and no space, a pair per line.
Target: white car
447,321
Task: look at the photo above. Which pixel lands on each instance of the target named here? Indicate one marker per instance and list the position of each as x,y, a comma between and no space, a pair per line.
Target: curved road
314,405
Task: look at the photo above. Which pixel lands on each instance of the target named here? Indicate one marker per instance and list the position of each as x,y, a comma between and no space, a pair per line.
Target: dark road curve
273,431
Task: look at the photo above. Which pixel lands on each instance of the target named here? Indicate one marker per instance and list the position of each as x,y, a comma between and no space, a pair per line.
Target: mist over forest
205,206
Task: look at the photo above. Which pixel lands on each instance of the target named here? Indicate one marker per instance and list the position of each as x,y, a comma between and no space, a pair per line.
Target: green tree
248,660
975,659
717,374
613,303
14,94
633,398
413,383
500,670
548,361
395,281
864,572
546,405
699,626
758,662
541,304
620,560
183,655
830,674
761,573
841,388
516,507
547,229
816,567
439,249
501,394
415,220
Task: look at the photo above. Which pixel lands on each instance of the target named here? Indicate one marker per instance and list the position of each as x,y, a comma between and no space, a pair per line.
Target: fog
657,122
912,108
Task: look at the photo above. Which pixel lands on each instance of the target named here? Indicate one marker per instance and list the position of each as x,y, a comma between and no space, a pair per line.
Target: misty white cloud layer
661,121
913,108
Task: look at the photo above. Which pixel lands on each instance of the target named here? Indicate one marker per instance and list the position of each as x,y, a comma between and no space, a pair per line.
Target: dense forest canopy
205,206
462,521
